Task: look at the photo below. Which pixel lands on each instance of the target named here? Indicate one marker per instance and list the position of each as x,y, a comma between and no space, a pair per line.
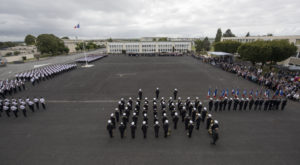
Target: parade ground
72,131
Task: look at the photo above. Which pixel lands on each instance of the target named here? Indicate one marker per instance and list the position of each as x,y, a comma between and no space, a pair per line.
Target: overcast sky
144,18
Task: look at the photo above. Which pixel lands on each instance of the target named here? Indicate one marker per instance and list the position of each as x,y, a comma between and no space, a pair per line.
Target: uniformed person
36,102
23,109
266,105
200,106
133,128
110,128
156,128
31,105
225,103
113,120
278,103
283,104
261,102
198,121
210,104
215,136
144,129
220,105
175,93
256,103
166,128
186,121
194,114
157,93
208,121
251,104
246,103
14,110
117,114
241,104
42,101
183,114
175,120
134,117
124,119
235,104
203,114
216,105
122,128
6,110
190,128
229,103
140,94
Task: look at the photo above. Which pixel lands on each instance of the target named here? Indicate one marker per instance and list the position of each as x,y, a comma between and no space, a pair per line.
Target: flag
232,92
77,26
281,92
244,93
226,93
237,93
256,93
222,94
215,93
251,94
208,93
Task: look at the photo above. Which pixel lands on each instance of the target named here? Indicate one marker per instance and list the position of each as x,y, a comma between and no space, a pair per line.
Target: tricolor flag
251,94
222,94
237,93
281,92
226,93
232,92
215,93
208,93
244,93
256,93
276,93
77,26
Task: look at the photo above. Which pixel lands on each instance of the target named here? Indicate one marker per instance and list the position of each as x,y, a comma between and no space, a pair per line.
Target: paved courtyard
73,128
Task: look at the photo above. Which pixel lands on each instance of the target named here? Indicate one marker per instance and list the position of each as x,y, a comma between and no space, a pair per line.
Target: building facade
148,47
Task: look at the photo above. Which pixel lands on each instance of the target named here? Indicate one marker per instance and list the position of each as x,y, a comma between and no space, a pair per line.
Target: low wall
19,57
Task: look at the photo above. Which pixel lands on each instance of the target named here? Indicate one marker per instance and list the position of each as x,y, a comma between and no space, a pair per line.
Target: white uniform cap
165,114
145,114
146,98
247,98
199,114
200,103
130,98
117,109
242,98
144,122
124,114
209,115
238,98
154,98
216,122
134,114
191,121
210,99
179,98
140,89
188,98
175,89
176,113
122,99
230,98
109,121
132,123
156,122
170,98
166,121
225,97
205,108
157,88
183,107
112,115
197,98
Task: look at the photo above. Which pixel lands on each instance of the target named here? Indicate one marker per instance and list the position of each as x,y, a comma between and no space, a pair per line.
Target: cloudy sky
143,18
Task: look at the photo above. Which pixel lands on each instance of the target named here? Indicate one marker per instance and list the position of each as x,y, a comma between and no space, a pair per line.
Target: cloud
138,18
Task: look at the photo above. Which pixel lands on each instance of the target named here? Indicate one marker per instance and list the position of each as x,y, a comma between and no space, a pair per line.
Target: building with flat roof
148,47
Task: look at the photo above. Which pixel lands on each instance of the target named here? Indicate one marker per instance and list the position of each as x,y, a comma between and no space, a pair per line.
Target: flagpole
86,63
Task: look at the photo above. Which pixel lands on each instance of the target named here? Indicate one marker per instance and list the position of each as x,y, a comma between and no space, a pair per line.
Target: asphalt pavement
73,128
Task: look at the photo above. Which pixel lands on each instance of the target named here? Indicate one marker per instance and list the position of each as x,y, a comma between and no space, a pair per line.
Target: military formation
12,107
257,101
35,76
166,115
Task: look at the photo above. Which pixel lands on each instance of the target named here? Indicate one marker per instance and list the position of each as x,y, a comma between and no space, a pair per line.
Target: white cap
119,102
176,113
166,121
157,88
216,122
130,98
242,98
122,98
210,99
121,123
132,123
197,98
146,98
154,98
170,98
188,98
209,115
194,109
162,98
225,97
165,114
200,103
179,98
183,107
144,122
145,114
175,89
156,122
230,98
112,115
124,114
247,98
199,114
205,108
191,121
140,89
238,98
109,121
134,113
117,109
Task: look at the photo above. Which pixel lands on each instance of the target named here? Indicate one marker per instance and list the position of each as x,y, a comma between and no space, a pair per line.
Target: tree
8,44
66,38
218,35
16,53
163,39
30,39
248,34
269,34
206,44
109,40
281,50
227,46
258,51
49,43
199,45
228,33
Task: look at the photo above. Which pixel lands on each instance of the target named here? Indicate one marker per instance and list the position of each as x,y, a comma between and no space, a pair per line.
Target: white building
148,47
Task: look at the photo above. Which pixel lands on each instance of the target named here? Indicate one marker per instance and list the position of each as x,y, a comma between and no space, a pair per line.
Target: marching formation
15,105
9,87
165,116
256,101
